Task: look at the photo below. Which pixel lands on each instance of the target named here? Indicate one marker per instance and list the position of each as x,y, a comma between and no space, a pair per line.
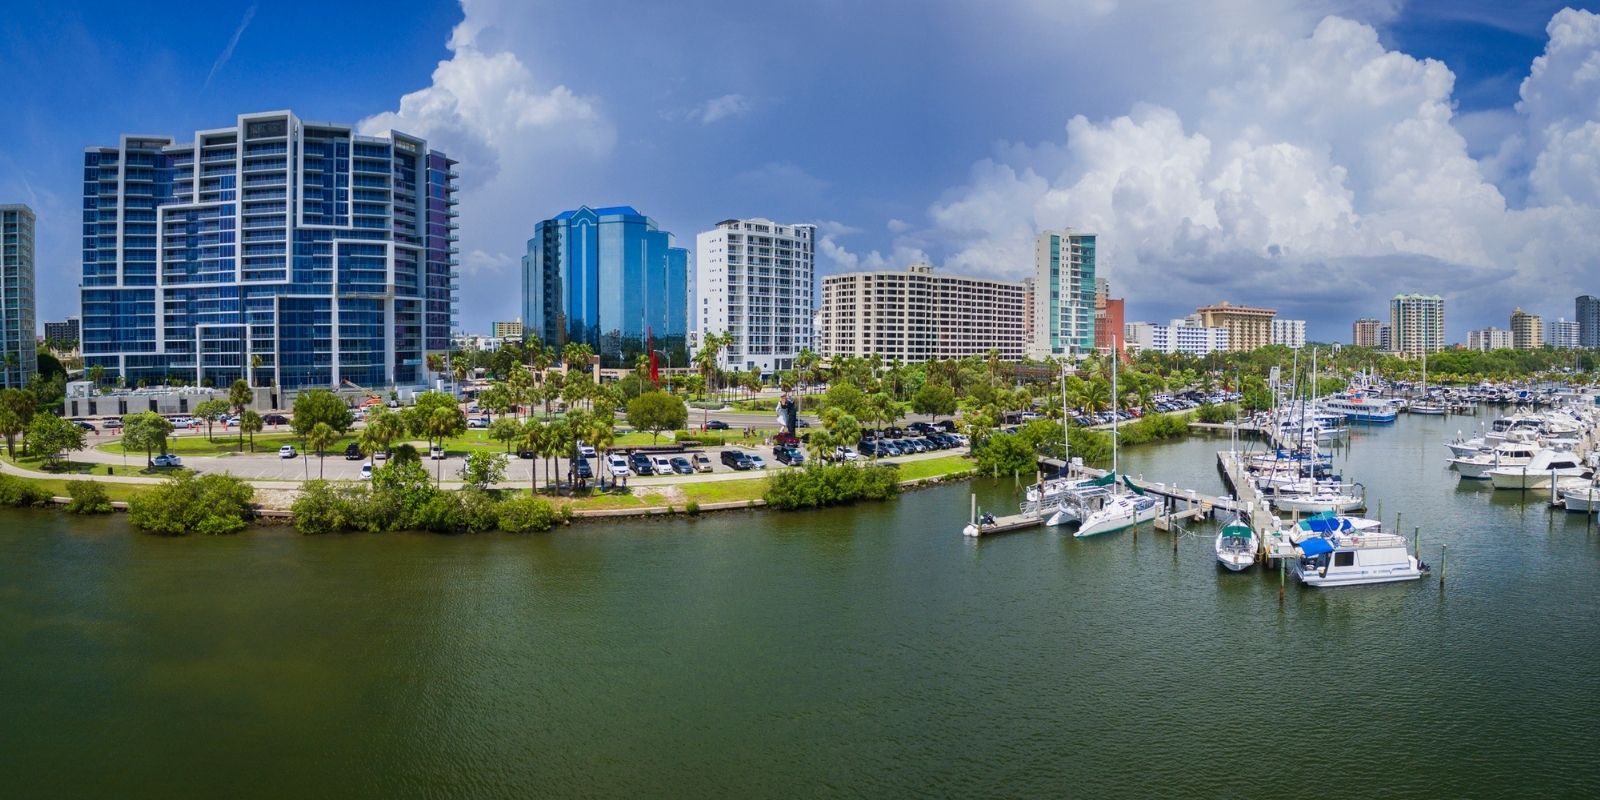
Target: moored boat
1236,545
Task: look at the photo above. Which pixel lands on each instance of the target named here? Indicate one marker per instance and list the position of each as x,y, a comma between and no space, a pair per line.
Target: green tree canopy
657,411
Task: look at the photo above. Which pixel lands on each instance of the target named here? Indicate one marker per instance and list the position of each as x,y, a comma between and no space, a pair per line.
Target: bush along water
402,497
209,504
822,485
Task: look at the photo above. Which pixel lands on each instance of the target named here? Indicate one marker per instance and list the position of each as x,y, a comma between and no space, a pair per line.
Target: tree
440,424
255,366
250,423
97,373
935,400
505,430
320,438
239,396
211,411
17,408
1005,453
209,504
320,406
147,431
657,411
483,469
532,441
50,436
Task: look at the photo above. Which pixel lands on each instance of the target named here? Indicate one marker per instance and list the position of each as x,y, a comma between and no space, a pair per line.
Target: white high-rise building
916,315
1416,324
1290,333
1490,338
1564,335
1063,295
756,279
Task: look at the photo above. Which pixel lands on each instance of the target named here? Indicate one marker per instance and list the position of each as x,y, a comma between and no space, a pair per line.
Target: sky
1316,157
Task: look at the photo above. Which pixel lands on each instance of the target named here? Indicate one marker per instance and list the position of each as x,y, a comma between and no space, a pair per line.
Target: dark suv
352,452
641,464
789,455
737,459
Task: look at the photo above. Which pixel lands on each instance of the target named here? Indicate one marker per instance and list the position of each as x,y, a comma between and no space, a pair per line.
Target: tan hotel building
1248,327
918,315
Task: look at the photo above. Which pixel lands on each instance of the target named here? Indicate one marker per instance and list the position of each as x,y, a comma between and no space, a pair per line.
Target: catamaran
1117,511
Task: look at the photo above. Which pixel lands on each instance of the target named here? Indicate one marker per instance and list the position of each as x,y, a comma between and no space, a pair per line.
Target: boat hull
1234,562
1358,576
1583,501
1096,524
1311,505
1516,479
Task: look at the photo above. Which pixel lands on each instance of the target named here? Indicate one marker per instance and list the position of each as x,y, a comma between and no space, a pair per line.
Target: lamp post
669,367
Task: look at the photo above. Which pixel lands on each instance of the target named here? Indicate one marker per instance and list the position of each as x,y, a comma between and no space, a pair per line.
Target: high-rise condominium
1063,295
1527,330
1588,316
1290,333
18,352
1563,335
756,279
1416,324
917,315
607,277
1364,332
278,250
1248,327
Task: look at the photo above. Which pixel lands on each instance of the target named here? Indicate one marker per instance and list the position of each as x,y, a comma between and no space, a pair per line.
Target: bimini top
1236,530
1316,546
1326,522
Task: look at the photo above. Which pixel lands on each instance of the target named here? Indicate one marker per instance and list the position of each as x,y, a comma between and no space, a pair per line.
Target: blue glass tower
609,278
289,253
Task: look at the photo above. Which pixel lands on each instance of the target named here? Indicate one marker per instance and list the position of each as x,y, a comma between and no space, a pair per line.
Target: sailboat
1236,545
1428,407
1118,510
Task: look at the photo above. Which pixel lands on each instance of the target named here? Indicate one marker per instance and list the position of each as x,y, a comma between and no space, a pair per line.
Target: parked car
166,460
287,451
920,427
661,464
681,465
716,425
111,424
436,452
366,472
641,464
477,422
843,453
352,452
758,461
738,459
785,440
526,454
274,419
789,455
702,462
618,464
582,469
381,455
586,450
84,425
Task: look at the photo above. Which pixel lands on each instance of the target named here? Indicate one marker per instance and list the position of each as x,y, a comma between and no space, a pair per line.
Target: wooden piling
1444,552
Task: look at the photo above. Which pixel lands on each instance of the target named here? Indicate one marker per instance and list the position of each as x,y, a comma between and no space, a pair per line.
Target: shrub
1218,413
209,504
692,508
441,513
1005,454
823,485
88,497
526,513
479,512
16,492
319,509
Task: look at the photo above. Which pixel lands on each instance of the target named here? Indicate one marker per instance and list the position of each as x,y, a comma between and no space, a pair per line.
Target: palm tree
532,441
320,438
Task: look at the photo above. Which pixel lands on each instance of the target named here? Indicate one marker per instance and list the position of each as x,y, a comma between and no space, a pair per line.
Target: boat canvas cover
1104,480
1325,522
1129,483
1316,546
1237,531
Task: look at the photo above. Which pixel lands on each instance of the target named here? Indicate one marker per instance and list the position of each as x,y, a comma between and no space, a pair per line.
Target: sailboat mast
1114,406
1066,438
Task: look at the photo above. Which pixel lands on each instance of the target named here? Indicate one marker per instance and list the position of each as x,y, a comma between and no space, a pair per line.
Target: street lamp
669,367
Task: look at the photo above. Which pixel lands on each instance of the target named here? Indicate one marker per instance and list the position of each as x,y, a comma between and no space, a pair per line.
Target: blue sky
1305,156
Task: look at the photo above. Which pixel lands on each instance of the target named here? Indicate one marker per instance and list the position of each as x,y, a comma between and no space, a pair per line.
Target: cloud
720,108
1324,167
227,52
781,178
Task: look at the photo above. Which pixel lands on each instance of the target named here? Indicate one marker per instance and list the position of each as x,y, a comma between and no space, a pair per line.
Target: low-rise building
1186,336
1290,333
509,331
1490,338
918,315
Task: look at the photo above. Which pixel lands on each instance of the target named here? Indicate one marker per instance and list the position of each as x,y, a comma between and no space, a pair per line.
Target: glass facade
289,253
18,352
609,278
1064,280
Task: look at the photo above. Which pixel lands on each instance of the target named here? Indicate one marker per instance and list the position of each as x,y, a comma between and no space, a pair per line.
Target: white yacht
1536,474
1506,454
1119,512
1236,545
1318,497
1581,499
1348,551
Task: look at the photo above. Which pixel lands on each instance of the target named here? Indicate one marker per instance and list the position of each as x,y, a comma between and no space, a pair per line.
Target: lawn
725,491
134,467
936,467
57,487
201,446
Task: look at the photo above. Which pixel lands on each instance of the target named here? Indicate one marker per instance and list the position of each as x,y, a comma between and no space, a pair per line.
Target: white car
436,452
757,460
366,472
845,454
286,451
618,466
166,460
586,450
477,422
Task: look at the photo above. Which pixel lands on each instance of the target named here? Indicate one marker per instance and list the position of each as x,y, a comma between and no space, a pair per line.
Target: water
864,652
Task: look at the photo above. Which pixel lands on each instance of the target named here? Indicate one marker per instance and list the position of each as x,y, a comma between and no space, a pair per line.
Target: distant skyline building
1563,335
1109,318
1249,327
1063,295
325,255
508,330
1416,324
65,332
19,348
1587,314
1185,335
610,278
1527,330
1290,333
1490,338
1364,332
1386,338
917,315
756,279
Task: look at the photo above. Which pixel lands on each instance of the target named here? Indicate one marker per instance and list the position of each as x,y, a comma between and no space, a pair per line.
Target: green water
865,652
